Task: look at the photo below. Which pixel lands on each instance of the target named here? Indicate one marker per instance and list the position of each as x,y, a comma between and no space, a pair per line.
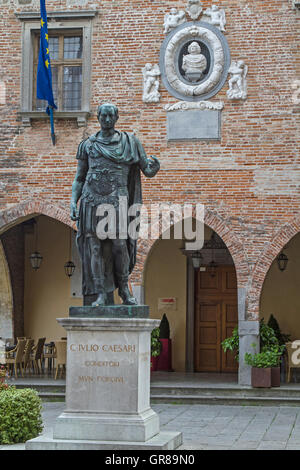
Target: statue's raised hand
153,165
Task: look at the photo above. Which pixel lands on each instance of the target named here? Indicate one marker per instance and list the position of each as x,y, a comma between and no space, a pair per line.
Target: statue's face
194,48
107,118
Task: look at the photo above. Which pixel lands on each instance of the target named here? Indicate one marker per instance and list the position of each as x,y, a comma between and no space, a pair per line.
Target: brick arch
21,212
213,220
272,250
6,295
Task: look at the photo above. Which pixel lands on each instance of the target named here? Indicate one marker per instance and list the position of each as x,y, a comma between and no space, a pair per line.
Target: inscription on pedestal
94,365
102,372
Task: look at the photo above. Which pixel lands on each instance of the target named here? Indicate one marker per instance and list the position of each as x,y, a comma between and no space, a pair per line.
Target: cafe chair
292,358
14,358
49,354
61,356
28,352
37,355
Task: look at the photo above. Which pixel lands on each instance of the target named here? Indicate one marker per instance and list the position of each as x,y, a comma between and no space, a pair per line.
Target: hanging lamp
212,267
36,257
282,261
69,265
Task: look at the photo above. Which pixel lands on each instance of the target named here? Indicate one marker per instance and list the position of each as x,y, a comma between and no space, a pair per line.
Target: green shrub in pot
266,358
268,339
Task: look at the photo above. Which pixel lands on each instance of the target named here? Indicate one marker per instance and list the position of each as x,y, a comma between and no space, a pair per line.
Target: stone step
279,392
52,396
46,389
192,394
225,400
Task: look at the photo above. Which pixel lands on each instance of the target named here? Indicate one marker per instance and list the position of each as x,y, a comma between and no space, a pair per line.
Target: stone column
248,335
138,292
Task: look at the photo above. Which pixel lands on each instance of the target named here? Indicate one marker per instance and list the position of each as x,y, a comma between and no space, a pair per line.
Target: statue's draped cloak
123,149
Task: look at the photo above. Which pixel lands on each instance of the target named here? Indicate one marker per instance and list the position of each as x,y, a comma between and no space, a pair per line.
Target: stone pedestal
108,383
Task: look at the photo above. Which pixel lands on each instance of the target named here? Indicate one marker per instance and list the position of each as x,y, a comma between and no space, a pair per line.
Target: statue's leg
109,271
110,299
121,266
97,268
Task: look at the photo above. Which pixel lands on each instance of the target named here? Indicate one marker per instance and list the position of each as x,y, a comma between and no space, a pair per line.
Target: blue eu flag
44,76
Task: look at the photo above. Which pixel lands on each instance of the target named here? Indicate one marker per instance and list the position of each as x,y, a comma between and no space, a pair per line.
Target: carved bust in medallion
194,63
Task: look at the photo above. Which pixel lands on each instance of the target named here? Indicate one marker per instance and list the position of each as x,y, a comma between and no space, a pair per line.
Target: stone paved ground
216,426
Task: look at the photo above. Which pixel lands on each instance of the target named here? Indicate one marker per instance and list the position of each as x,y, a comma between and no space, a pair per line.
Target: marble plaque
194,125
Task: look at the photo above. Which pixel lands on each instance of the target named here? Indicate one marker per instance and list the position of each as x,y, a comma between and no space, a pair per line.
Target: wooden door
215,317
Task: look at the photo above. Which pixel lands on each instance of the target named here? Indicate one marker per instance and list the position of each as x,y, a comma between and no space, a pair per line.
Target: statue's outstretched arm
149,166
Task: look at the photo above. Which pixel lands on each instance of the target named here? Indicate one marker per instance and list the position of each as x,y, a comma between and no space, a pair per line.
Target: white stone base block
108,385
162,441
108,427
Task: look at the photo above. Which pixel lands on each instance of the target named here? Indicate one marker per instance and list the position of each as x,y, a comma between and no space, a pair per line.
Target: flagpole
53,137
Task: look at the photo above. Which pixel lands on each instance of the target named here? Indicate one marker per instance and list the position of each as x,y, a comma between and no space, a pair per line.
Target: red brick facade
249,181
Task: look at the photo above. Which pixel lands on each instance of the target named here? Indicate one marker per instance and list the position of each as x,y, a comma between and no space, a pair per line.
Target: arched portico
280,292
248,329
26,299
6,302
30,208
262,267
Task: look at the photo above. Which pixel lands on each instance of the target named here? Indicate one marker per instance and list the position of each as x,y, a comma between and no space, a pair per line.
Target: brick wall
249,181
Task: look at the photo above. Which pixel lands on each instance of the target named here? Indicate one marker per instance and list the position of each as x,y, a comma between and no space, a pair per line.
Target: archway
30,208
6,302
264,263
217,223
42,296
172,286
280,292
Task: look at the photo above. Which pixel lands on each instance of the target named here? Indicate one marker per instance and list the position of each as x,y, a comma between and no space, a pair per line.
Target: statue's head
194,48
107,115
214,7
173,11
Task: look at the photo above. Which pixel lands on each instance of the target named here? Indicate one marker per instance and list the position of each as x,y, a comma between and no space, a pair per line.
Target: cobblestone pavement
223,427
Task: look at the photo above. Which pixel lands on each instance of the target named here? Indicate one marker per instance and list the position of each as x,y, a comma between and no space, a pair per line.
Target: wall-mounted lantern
282,261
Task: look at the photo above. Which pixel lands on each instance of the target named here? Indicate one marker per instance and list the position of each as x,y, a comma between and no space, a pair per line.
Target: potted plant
267,339
282,340
281,337
155,348
271,339
263,363
269,344
165,357
232,343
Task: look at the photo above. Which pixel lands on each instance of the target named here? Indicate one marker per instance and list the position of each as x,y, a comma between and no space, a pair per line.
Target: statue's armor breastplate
105,180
